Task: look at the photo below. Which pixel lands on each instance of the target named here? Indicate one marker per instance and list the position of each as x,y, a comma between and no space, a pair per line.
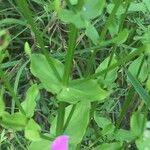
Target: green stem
69,117
121,61
28,15
66,75
60,118
120,28
70,54
102,36
128,99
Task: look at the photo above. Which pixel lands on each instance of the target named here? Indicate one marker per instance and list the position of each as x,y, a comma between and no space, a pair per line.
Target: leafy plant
86,71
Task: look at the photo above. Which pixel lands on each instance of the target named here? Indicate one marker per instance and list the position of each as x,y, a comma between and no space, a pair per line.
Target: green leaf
66,15
75,129
138,87
124,136
16,121
134,7
137,7
148,84
122,37
143,143
41,69
32,131
5,38
27,49
92,9
69,16
111,75
138,123
110,146
86,91
114,28
147,2
92,33
40,145
102,122
73,2
134,67
30,102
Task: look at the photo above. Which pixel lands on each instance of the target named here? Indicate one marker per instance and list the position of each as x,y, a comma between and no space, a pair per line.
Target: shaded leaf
109,146
111,75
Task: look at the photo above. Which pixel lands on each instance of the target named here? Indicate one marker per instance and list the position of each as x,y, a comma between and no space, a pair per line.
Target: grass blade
138,88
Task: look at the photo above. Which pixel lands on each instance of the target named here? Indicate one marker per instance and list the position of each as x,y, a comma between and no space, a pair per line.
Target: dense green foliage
75,67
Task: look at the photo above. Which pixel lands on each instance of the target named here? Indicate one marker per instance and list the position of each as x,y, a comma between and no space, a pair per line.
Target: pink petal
60,143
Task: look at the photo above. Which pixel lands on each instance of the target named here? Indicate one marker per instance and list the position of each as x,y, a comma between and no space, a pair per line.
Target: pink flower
60,143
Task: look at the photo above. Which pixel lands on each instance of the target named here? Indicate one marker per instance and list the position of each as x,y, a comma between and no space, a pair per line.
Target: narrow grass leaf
139,89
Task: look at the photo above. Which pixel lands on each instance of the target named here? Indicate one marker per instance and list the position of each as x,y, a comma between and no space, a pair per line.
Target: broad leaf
143,143
105,124
92,9
92,33
111,75
30,102
75,129
102,122
124,135
41,69
40,145
32,131
122,37
134,7
134,68
138,123
86,91
16,121
68,16
147,2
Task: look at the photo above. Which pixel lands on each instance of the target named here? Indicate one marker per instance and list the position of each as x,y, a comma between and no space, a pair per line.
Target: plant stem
69,117
102,36
67,71
70,54
128,99
28,15
121,61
